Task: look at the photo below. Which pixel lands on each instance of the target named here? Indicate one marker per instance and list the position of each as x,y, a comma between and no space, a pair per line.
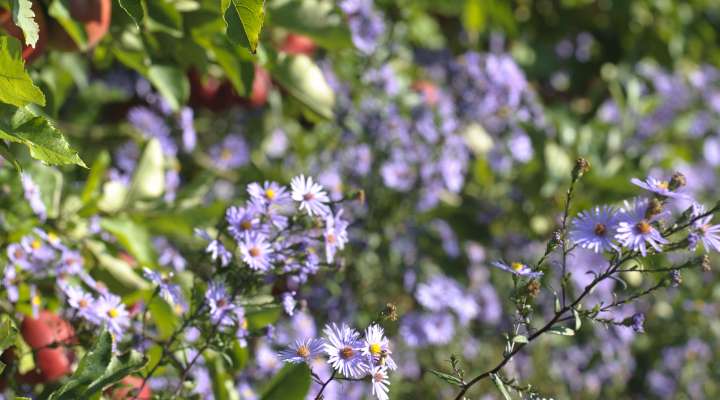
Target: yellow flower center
516,266
269,193
330,238
246,225
113,313
244,323
600,229
663,185
35,244
82,303
303,351
52,237
226,154
643,227
375,349
35,300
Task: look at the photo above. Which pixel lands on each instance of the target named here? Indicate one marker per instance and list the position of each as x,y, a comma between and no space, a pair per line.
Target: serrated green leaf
171,82
304,80
292,382
133,237
244,20
133,8
451,379
16,87
45,142
24,17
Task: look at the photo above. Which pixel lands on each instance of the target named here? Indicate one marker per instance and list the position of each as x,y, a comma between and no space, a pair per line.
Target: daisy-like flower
377,347
18,255
659,187
270,193
242,331
32,195
518,269
110,310
241,221
221,306
168,291
256,252
344,350
594,229
215,248
302,351
635,230
312,196
708,234
10,282
335,235
380,382
81,301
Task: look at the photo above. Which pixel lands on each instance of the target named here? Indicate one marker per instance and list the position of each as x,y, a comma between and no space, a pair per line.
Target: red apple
54,363
428,90
46,329
28,53
298,44
127,389
260,87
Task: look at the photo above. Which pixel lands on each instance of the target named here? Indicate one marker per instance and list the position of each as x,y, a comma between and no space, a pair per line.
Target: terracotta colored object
219,95
428,90
260,88
95,15
298,44
28,53
54,363
127,389
46,329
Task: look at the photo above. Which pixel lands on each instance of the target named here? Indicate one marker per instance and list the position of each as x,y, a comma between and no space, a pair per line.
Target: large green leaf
24,18
148,181
16,87
244,21
134,8
98,370
46,143
163,16
317,19
304,80
292,382
133,237
171,82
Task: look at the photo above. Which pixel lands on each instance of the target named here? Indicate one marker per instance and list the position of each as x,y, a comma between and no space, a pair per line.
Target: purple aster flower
518,269
270,193
35,301
110,310
377,347
152,125
231,153
32,195
344,349
366,25
335,235
169,255
594,229
10,282
189,136
708,234
242,332
289,303
168,291
81,301
635,230
659,187
18,255
302,351
398,174
221,305
256,252
242,221
215,248
638,322
380,382
312,196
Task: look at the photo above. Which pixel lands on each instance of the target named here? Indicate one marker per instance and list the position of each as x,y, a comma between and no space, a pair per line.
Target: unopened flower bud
636,322
654,208
582,166
555,241
677,181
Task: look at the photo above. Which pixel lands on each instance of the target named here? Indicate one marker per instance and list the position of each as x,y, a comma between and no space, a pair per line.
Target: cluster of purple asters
348,353
636,225
282,233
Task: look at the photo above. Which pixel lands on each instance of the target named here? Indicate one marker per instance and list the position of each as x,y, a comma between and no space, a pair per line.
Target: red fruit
46,329
128,387
298,44
54,363
28,53
260,87
428,90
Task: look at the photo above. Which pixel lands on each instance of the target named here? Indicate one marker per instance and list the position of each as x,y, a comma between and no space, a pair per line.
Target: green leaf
120,277
50,182
520,339
24,17
304,80
234,60
292,382
451,379
578,321
16,87
8,331
9,156
148,181
133,237
60,11
171,82
474,18
133,8
97,172
46,143
317,19
261,317
163,316
98,370
500,386
244,21
162,16
562,330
